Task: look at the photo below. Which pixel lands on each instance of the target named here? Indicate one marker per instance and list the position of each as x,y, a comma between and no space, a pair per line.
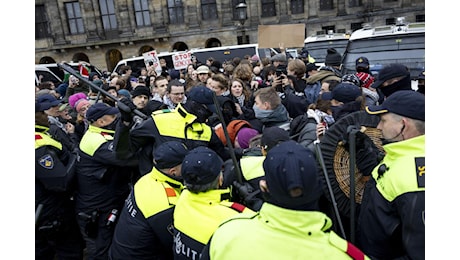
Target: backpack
297,124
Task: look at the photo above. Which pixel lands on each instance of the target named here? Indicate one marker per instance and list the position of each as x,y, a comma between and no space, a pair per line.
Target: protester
391,78
328,72
269,110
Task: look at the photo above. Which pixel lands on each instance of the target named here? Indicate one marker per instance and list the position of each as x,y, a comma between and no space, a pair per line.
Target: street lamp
242,17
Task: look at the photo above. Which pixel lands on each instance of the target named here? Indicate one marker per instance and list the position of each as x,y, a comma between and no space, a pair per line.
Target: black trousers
98,247
64,243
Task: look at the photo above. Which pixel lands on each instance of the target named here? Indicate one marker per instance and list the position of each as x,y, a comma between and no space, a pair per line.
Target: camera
281,69
279,72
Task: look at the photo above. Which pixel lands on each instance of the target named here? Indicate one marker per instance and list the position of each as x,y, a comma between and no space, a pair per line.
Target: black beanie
140,90
333,58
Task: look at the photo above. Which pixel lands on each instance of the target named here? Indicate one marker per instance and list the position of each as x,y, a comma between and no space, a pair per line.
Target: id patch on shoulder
420,171
46,161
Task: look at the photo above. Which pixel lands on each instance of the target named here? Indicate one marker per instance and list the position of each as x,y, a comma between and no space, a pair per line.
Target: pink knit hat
80,103
75,97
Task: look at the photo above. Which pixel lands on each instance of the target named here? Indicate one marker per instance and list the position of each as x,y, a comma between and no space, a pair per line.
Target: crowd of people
220,161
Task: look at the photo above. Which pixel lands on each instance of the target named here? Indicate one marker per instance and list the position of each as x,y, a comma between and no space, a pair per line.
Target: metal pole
239,175
319,156
120,105
352,130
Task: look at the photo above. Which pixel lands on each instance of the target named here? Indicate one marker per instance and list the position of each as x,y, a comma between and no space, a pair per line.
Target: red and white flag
84,71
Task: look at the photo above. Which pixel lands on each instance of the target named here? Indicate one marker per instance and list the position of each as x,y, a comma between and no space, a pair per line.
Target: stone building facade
103,32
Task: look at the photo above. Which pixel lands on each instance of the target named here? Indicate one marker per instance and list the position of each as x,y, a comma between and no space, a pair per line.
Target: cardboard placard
151,59
182,59
291,35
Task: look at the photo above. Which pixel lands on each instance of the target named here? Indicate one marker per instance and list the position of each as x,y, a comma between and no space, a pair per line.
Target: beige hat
203,69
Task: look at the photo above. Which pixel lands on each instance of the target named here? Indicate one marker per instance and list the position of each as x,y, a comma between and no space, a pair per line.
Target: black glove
126,108
248,195
367,154
239,152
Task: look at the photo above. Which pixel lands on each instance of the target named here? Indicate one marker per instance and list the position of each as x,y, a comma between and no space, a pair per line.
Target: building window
176,11
328,29
390,21
420,18
355,3
268,8
297,6
356,26
109,20
141,9
41,23
326,5
74,17
208,9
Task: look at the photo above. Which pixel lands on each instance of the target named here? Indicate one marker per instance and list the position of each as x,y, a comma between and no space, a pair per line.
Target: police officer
62,132
57,233
103,181
186,123
202,206
143,230
289,225
392,217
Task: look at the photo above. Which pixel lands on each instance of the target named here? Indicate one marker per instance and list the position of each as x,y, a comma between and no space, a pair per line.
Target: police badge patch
46,161
420,170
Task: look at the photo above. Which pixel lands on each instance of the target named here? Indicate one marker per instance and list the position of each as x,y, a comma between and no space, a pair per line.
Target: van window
47,76
225,53
74,65
137,63
317,45
404,48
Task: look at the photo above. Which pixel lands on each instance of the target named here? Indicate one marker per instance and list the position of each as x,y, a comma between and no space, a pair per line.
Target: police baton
319,156
120,105
239,175
352,130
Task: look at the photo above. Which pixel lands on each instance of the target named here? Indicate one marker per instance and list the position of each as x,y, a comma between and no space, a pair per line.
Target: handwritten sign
151,59
181,60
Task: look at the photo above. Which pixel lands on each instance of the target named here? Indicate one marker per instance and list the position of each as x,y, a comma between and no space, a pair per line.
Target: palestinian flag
66,76
84,70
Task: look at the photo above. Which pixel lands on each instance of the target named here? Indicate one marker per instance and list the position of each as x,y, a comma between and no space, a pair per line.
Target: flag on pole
66,76
84,70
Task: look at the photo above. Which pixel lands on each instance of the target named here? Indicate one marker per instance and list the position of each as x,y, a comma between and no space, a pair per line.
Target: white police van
222,54
317,45
41,70
402,43
60,73
137,63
